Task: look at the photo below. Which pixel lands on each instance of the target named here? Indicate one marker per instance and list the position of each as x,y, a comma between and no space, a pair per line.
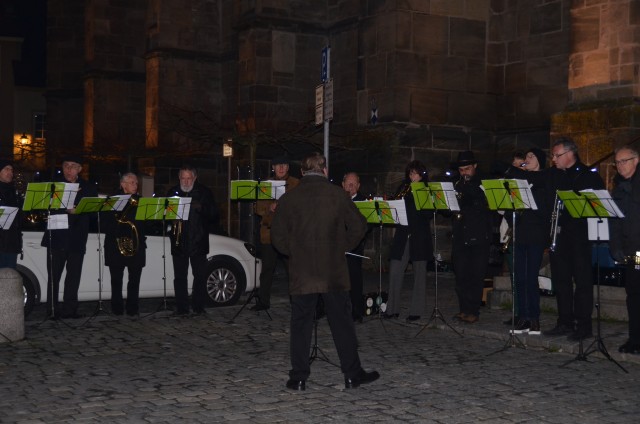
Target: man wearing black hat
66,248
11,237
471,239
265,209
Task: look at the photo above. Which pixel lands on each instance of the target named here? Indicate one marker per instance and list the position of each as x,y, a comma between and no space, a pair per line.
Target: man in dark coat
315,225
625,238
121,225
11,237
351,184
471,239
68,246
190,242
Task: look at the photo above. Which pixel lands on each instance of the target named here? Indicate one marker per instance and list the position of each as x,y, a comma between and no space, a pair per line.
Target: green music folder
158,208
40,196
375,215
589,204
505,194
267,190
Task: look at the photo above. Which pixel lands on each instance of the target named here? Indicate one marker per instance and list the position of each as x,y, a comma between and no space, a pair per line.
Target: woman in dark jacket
411,243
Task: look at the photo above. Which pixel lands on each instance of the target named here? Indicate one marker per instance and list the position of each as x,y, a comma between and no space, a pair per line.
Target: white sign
319,103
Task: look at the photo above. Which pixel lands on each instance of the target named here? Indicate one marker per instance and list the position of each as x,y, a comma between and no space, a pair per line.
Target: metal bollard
11,306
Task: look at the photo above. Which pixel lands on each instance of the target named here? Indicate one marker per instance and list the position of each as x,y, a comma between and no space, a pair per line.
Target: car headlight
250,248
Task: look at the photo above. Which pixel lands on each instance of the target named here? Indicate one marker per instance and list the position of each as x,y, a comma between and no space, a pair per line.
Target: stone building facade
149,84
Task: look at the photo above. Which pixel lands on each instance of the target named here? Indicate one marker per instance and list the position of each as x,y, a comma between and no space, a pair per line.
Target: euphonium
555,217
128,245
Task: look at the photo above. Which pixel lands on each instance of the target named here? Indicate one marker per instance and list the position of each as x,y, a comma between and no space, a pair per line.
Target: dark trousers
57,260
181,284
133,288
8,260
269,257
528,258
354,264
470,266
571,264
632,287
338,309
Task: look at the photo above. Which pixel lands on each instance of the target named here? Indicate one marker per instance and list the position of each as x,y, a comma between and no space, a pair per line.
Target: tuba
128,244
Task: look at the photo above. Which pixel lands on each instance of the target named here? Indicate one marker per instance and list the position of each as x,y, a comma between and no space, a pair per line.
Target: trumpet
555,217
404,190
176,231
128,244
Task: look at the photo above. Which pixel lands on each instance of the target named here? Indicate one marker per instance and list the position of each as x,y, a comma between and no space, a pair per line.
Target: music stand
162,209
592,204
250,190
316,352
382,213
512,195
435,196
50,196
97,205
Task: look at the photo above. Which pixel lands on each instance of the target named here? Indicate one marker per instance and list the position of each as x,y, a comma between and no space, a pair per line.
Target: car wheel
31,297
226,281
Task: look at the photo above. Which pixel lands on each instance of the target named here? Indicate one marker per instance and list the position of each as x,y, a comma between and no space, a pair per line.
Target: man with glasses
571,260
625,238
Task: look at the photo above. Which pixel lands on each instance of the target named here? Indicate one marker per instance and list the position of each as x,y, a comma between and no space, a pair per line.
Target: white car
233,270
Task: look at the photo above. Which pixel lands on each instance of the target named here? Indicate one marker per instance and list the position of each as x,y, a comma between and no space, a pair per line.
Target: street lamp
227,152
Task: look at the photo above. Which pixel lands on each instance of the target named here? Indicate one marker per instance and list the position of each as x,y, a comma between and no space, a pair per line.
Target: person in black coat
531,239
625,238
351,184
118,256
66,247
11,237
190,241
472,231
413,243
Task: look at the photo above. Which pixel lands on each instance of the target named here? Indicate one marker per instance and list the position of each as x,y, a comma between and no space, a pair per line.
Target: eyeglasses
623,161
557,155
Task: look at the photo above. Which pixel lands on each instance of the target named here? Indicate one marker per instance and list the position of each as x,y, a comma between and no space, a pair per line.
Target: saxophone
128,244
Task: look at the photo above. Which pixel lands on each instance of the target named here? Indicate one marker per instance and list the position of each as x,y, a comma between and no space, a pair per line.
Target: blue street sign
325,64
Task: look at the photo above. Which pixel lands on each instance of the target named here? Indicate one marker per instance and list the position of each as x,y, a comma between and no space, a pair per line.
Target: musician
351,185
625,238
265,209
410,243
119,227
472,231
532,238
10,238
315,225
67,247
190,242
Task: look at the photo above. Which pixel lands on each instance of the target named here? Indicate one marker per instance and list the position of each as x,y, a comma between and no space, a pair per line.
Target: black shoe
363,377
411,318
298,385
534,327
522,327
629,347
559,330
390,316
580,334
259,307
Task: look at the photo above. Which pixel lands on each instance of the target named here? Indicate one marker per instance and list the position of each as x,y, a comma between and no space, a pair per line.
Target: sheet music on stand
435,195
159,208
376,211
102,204
42,196
508,194
594,205
7,216
267,190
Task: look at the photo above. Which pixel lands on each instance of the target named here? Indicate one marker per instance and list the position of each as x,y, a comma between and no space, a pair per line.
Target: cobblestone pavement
163,369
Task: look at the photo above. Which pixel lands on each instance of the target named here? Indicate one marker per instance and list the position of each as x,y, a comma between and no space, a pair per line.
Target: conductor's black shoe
559,330
579,334
629,347
259,307
363,377
298,385
411,318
